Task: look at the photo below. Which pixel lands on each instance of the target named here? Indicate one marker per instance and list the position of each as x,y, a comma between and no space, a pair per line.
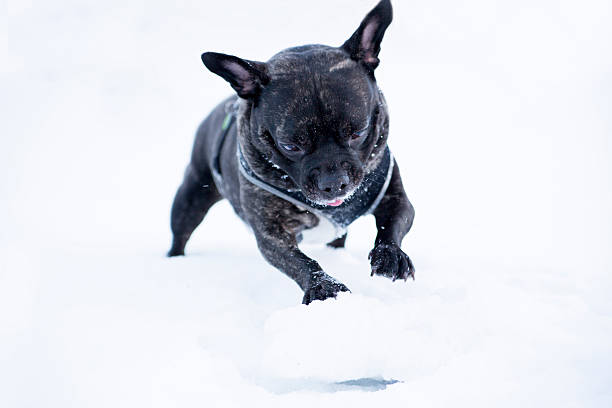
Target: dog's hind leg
338,242
192,201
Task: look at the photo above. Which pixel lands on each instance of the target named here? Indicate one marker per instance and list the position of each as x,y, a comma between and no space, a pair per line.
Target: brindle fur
316,97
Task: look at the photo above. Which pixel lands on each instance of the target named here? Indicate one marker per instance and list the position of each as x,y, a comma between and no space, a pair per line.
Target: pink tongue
335,203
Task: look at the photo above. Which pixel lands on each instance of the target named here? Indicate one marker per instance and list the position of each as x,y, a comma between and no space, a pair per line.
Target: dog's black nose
333,183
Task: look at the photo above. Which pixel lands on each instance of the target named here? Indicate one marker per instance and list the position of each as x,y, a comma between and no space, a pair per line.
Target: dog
303,141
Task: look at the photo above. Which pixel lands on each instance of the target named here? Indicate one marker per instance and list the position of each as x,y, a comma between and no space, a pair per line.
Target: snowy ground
501,124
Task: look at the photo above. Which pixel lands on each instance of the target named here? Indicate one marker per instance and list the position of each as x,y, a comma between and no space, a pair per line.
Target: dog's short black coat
311,119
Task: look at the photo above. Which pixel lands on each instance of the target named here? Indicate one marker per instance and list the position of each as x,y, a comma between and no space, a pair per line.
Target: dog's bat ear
246,77
364,44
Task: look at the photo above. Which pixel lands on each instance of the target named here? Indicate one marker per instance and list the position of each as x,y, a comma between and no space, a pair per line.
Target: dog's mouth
332,201
335,203
327,202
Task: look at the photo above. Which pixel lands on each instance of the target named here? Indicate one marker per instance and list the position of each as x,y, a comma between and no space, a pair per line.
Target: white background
500,121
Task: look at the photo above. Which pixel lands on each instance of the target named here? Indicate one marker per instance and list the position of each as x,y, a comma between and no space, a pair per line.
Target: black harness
362,202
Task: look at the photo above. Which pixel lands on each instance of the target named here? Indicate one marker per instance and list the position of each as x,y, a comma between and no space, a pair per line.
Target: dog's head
313,117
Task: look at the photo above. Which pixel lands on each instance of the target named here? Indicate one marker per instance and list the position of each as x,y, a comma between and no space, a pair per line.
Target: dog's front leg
394,217
276,224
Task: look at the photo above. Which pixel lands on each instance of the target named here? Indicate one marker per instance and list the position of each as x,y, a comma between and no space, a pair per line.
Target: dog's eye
290,147
359,134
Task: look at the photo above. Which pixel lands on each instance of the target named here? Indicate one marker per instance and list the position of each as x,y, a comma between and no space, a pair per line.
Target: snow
500,124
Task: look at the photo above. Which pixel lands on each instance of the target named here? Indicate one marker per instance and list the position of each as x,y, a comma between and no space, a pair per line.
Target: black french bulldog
304,140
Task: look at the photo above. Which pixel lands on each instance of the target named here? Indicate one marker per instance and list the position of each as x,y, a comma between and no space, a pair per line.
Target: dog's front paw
388,259
322,286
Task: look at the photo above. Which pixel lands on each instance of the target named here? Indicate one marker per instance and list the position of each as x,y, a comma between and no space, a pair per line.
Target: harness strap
228,122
